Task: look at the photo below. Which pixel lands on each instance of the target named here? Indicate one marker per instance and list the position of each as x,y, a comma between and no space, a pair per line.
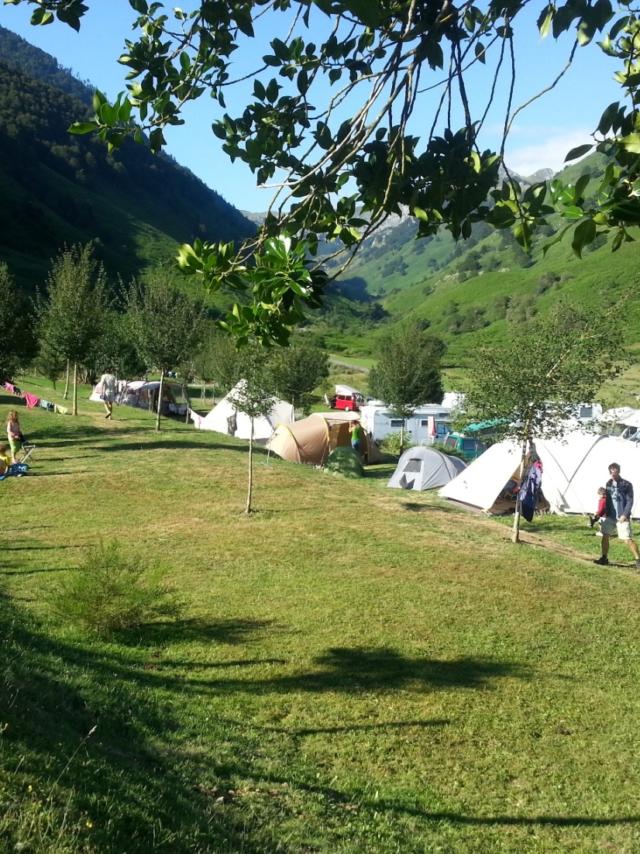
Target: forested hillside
59,189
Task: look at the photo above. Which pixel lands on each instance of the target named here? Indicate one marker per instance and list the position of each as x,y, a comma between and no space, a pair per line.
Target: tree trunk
515,534
402,437
159,408
185,394
75,388
247,509
65,394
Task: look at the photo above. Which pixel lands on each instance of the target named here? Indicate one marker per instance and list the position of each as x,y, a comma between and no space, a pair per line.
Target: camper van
346,398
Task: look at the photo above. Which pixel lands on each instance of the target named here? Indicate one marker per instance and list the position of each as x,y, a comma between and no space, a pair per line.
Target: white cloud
548,153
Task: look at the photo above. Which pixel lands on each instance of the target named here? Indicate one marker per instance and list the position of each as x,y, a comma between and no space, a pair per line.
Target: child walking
14,434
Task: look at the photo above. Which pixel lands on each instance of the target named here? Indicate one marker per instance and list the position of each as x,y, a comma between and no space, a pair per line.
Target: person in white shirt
108,390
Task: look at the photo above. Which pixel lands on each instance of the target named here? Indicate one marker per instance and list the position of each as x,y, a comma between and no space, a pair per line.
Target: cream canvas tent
573,469
312,439
144,395
225,417
425,468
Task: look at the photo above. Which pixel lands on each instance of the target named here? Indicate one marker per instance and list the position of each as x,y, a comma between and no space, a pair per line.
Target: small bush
345,461
112,592
391,443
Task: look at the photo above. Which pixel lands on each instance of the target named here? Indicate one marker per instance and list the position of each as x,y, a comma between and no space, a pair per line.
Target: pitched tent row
573,469
225,417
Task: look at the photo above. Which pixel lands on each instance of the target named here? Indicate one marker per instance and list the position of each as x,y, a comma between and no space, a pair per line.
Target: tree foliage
533,382
166,326
298,369
346,161
73,311
165,322
16,337
407,372
531,385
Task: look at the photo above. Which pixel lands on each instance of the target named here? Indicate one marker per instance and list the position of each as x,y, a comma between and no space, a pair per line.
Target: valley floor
352,669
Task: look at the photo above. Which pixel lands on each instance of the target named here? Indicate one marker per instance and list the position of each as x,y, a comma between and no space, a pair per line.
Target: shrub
112,592
345,461
391,442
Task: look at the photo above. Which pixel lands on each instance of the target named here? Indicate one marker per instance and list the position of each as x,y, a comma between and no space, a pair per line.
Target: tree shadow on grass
336,796
352,671
131,782
90,758
414,506
193,630
178,444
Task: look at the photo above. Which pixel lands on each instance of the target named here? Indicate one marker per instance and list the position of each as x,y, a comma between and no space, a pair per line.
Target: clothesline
32,400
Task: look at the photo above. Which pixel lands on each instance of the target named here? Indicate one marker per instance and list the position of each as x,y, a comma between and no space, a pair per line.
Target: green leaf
545,20
80,128
579,151
630,143
583,235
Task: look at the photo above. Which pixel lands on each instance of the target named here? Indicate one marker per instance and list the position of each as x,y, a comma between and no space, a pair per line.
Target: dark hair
614,466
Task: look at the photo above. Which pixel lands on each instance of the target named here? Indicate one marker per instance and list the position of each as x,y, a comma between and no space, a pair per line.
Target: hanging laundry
530,490
61,410
31,400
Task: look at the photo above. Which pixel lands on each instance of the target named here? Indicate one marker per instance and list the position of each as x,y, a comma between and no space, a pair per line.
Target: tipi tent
425,468
573,469
225,417
312,439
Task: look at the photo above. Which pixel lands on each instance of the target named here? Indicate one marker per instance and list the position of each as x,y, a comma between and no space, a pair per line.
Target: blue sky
540,137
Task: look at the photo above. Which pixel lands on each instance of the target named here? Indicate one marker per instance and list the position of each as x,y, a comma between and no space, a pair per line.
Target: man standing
619,503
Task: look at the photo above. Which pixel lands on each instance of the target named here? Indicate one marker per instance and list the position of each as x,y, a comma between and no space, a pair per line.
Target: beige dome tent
312,439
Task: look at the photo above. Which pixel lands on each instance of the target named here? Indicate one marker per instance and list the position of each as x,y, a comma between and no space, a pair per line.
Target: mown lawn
353,669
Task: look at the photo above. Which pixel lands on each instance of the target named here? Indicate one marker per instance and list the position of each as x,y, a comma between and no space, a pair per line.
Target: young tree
73,311
253,395
16,336
166,325
298,369
531,384
407,372
205,360
353,158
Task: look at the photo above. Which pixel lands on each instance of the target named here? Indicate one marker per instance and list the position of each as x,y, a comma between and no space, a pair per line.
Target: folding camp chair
27,449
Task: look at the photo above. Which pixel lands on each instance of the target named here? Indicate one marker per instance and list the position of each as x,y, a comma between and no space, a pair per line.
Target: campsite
320,400
326,682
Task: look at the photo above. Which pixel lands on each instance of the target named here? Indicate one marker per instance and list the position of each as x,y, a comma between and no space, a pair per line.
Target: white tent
425,468
225,417
573,469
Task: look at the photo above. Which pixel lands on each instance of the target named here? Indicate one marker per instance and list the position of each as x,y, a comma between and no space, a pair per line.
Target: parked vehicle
469,446
347,402
346,398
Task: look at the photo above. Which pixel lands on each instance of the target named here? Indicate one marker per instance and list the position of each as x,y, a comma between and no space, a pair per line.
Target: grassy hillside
59,189
467,292
393,678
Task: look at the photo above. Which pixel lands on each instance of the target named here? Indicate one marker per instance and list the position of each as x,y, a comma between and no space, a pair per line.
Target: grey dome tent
425,468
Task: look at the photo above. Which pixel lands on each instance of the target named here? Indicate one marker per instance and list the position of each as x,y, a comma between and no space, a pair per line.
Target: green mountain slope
467,291
58,189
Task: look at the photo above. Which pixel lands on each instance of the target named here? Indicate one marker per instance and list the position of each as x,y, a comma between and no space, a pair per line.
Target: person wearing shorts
617,519
108,387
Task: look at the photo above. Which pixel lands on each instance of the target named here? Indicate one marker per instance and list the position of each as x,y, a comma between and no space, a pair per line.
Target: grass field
352,669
